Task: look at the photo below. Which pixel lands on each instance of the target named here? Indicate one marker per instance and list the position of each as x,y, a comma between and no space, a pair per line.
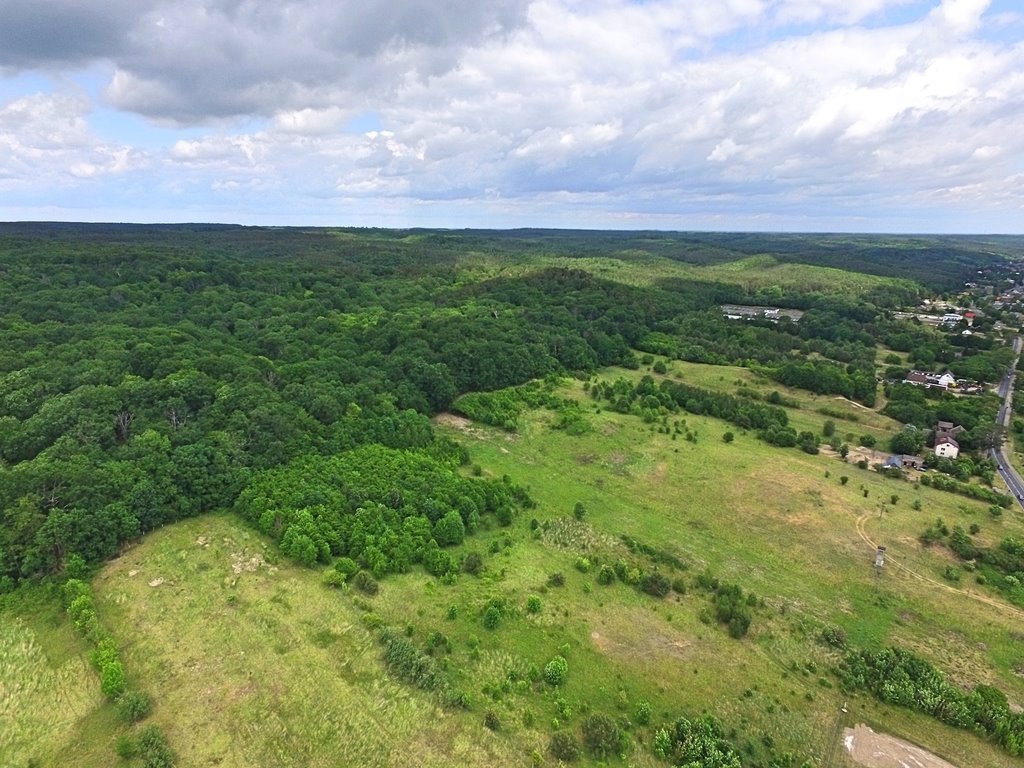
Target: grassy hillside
51,709
253,661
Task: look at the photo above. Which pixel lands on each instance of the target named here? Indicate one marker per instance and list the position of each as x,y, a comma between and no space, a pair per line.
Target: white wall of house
946,451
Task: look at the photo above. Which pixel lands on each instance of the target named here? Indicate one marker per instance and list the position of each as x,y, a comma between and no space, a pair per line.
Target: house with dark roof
904,461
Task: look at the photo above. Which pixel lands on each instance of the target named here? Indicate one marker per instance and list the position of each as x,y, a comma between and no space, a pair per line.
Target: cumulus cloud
189,60
46,137
641,109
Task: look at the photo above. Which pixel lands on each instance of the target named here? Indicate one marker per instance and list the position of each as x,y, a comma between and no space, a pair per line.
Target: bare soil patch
451,420
878,750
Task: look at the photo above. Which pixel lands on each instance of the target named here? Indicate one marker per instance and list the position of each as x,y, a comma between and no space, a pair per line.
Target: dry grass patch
256,663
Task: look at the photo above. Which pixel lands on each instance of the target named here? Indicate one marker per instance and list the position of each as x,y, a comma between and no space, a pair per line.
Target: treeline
857,382
832,329
653,401
943,263
503,408
970,490
897,676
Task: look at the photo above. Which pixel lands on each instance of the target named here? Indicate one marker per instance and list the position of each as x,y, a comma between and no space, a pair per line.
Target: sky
755,115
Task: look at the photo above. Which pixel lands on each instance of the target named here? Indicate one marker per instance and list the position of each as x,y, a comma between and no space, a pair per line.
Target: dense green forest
150,373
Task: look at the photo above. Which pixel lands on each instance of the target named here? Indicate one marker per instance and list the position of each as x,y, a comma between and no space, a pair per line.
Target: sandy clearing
878,750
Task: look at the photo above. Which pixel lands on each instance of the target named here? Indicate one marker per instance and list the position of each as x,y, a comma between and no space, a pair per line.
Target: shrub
728,437
601,735
365,583
564,746
127,747
662,743
153,748
606,575
346,566
834,636
656,584
333,579
491,721
407,662
533,604
492,617
450,529
556,670
473,563
556,580
582,564
643,713
579,511
134,706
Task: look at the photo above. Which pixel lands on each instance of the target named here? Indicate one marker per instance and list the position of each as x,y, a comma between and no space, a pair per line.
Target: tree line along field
592,584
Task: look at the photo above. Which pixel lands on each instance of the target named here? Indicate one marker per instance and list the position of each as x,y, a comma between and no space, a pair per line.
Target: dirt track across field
876,750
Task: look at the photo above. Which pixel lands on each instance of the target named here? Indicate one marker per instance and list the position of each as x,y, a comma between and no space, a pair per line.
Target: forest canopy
154,373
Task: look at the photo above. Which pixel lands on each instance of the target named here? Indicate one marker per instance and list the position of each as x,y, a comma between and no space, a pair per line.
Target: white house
926,379
946,447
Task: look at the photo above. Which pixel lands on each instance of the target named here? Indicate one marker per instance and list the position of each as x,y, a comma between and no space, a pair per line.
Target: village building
927,379
903,462
946,447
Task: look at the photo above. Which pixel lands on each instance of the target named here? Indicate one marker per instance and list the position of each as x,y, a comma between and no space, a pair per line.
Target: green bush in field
556,670
643,713
601,735
134,706
492,617
564,746
154,749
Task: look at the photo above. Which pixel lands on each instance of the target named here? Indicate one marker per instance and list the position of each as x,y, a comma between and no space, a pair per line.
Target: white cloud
640,108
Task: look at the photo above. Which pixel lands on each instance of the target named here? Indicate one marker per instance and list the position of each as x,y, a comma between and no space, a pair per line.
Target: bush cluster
897,676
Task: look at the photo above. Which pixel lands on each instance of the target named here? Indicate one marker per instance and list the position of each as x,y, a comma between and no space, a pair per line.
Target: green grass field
253,661
51,708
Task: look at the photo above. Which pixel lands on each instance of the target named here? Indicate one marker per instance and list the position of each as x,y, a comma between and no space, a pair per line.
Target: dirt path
889,560
877,750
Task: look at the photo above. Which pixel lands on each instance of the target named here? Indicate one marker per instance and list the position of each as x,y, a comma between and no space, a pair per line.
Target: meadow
252,660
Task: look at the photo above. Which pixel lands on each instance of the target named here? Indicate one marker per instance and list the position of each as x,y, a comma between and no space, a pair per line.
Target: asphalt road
1006,470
